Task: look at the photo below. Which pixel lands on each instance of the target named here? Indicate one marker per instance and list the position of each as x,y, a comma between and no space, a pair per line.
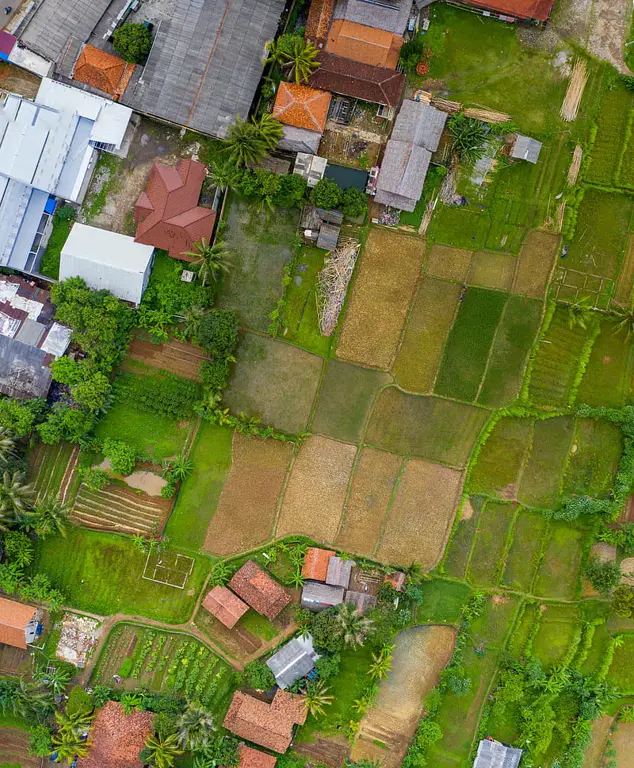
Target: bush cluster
165,394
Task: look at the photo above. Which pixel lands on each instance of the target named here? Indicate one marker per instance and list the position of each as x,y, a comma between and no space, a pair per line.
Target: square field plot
386,277
558,575
492,270
448,263
594,459
275,381
501,459
493,625
169,568
485,565
429,427
554,638
608,378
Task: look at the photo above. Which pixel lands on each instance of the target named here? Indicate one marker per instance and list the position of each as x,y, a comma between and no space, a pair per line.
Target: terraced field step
125,499
383,731
116,509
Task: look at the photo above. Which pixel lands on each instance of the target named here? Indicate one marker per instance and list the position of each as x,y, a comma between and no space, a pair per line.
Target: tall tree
317,698
161,753
48,517
225,174
56,680
244,143
67,746
580,313
301,60
270,129
15,495
211,260
195,728
7,445
354,627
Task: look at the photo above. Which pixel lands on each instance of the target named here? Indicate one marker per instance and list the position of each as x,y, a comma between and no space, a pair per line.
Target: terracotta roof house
365,44
318,22
316,563
167,212
536,11
103,71
254,758
18,623
259,590
269,725
358,80
304,112
117,738
225,606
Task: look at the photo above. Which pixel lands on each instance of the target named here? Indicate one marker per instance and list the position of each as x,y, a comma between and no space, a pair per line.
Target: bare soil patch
422,514
609,26
420,656
316,490
14,749
174,356
148,482
248,502
330,750
14,661
623,739
450,263
372,485
600,735
389,267
18,80
536,261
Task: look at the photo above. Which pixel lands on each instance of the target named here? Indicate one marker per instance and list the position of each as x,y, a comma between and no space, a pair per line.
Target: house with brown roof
259,590
378,85
225,606
167,212
376,47
18,623
318,22
255,758
316,563
103,71
117,738
304,112
269,725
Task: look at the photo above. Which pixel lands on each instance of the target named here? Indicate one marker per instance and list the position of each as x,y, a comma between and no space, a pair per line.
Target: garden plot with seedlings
487,553
373,481
421,515
345,400
316,490
380,297
529,537
52,470
273,381
541,481
611,121
175,356
595,455
607,380
501,459
558,574
172,569
535,263
571,286
14,750
429,427
260,245
249,499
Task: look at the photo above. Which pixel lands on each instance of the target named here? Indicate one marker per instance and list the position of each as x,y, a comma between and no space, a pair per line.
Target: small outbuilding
362,601
525,148
259,590
316,563
293,661
318,597
107,260
339,572
225,606
493,754
18,623
254,758
269,725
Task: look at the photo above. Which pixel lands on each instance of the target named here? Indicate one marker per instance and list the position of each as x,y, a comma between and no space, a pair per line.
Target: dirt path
609,27
600,734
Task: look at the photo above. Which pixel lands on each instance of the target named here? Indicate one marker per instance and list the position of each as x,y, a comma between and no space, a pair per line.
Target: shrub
326,194
291,191
327,666
468,137
215,374
132,42
79,701
218,332
411,53
326,631
623,602
95,478
168,394
40,741
65,213
353,203
18,548
66,423
603,576
259,676
121,455
20,416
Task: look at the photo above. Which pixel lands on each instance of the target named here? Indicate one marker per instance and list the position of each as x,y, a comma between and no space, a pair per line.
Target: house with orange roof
316,563
117,738
376,47
254,758
303,112
225,606
103,71
268,724
18,623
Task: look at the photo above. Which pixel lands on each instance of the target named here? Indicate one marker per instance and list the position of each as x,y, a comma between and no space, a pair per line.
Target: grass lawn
261,244
606,381
521,561
457,557
459,227
469,343
198,496
501,458
301,325
102,573
541,480
592,466
49,266
558,575
346,396
552,641
258,625
621,672
493,625
490,540
442,601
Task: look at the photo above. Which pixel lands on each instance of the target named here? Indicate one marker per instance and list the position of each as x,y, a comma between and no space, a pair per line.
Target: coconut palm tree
211,260
270,129
15,495
317,698
354,627
220,574
57,679
78,723
193,318
276,52
580,313
225,174
296,56
162,753
179,468
48,517
195,728
244,143
625,321
67,746
381,663
7,444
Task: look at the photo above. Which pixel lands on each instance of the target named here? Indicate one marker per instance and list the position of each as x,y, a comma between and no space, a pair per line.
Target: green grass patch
457,557
459,227
258,625
558,575
491,628
621,673
597,650
540,483
106,176
606,380
199,494
102,573
300,313
522,559
442,601
490,540
345,399
430,427
469,344
49,266
513,340
553,640
522,630
501,458
611,123
592,465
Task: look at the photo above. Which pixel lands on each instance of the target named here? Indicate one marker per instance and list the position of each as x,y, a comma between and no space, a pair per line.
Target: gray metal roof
317,596
328,236
300,140
402,175
492,754
339,572
526,148
420,124
206,62
23,370
390,15
362,601
292,662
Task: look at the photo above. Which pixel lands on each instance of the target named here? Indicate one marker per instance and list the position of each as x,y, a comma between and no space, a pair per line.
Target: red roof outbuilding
269,725
316,563
167,212
259,590
254,758
527,10
225,606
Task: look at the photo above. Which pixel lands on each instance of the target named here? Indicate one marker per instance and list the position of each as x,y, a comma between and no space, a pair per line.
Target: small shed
225,606
317,596
339,571
396,580
18,623
311,167
362,601
316,563
525,148
328,236
493,754
293,661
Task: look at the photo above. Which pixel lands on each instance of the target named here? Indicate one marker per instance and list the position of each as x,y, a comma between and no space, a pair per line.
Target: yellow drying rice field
449,263
536,261
422,514
389,267
248,503
373,481
492,270
316,490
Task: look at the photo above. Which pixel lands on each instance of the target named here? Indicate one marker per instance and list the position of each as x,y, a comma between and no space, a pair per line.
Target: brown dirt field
316,490
492,270
623,739
450,263
420,656
330,750
173,355
248,502
389,267
536,261
18,80
14,749
237,642
14,661
625,286
600,734
421,515
372,485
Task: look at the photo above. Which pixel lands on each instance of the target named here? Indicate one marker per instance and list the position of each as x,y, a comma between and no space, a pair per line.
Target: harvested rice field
249,499
492,270
421,515
316,490
540,485
535,263
449,263
273,381
380,298
373,481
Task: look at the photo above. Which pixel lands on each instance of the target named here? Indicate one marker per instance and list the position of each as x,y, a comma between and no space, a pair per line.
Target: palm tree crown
49,516
354,627
317,698
15,495
244,143
211,260
162,753
195,727
7,444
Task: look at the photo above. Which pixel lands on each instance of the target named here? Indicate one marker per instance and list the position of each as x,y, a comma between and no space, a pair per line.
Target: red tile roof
301,106
396,579
316,563
538,10
225,606
269,725
117,738
253,758
103,71
366,44
358,80
168,214
319,17
259,590
14,619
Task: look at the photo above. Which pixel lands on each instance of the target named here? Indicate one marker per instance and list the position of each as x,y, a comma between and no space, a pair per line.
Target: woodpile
422,68
452,107
576,87
332,283
573,171
487,115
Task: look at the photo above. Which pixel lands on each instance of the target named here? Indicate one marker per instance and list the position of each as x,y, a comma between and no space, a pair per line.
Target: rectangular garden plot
554,639
469,343
492,270
491,628
596,452
486,563
621,672
428,325
388,269
529,614
449,263
521,561
502,458
536,261
51,470
300,314
542,477
606,380
430,427
611,123
558,575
